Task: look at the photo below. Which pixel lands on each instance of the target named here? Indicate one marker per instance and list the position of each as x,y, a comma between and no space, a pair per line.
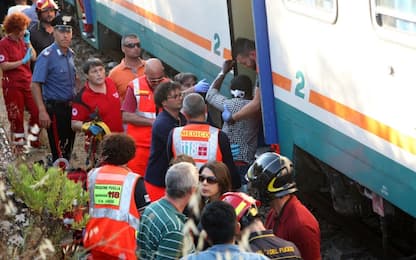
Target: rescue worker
16,52
139,111
260,240
200,140
54,84
41,32
117,198
97,100
273,178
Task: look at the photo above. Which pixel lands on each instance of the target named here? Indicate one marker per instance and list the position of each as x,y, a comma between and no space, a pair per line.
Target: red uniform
142,134
108,105
16,88
297,224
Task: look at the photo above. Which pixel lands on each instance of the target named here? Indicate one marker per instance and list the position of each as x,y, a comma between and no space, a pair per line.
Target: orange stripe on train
369,124
185,33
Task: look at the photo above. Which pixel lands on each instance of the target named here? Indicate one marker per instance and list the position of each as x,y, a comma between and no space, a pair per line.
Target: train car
341,74
336,82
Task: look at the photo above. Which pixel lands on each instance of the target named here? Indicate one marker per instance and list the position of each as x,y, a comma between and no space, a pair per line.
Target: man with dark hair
261,241
244,52
130,67
160,233
98,100
117,197
54,84
200,140
41,31
219,220
242,134
94,109
167,96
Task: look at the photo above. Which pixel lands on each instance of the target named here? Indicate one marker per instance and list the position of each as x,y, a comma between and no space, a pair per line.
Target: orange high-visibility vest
145,107
200,141
114,218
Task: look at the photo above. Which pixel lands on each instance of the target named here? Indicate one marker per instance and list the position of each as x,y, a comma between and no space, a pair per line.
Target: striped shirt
160,231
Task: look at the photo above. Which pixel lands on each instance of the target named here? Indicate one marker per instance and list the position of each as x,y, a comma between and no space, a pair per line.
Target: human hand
235,150
26,37
44,119
227,66
226,114
27,56
202,86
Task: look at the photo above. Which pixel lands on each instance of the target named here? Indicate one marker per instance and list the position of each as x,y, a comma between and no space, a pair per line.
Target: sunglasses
176,96
155,81
210,179
132,45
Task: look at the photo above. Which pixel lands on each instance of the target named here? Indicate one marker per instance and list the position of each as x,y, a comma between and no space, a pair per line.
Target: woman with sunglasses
214,180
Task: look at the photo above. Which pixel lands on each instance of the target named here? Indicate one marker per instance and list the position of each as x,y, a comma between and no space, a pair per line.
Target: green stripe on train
377,172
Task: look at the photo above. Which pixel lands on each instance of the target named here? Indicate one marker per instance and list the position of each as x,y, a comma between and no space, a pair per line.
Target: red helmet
245,206
42,5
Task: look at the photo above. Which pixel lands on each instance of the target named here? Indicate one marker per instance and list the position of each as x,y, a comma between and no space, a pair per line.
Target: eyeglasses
210,179
180,95
132,45
155,81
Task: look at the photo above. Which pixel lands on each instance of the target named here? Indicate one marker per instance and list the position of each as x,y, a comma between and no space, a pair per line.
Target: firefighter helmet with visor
272,176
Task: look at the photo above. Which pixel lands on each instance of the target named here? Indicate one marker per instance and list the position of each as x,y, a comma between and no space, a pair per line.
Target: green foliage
46,192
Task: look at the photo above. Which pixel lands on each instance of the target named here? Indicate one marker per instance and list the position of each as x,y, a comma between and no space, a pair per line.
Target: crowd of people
168,184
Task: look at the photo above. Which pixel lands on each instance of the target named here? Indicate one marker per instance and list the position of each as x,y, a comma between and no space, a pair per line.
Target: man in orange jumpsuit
139,112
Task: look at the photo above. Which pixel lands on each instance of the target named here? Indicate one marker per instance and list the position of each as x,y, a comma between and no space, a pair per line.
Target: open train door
247,19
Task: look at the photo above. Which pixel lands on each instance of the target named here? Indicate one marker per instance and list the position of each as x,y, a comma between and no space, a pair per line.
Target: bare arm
128,109
9,65
76,125
253,108
134,119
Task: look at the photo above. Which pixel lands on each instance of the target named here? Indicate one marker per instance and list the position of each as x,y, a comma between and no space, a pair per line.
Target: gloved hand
95,129
27,56
226,114
235,150
26,37
202,86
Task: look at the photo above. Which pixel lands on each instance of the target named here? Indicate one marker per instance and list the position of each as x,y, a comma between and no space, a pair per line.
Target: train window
396,15
321,9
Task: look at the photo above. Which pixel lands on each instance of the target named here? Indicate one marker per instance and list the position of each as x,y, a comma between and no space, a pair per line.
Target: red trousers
155,192
139,163
16,100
